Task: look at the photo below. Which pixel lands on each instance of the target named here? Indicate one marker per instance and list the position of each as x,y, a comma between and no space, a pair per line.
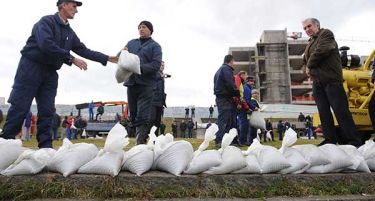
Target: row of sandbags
177,157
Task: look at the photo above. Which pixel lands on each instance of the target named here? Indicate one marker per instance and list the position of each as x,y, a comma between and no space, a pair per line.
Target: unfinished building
276,63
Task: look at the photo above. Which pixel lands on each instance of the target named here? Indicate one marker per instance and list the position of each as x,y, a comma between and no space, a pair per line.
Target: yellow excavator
359,89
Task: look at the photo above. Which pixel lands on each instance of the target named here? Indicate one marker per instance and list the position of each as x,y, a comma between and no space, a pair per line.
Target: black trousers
332,95
156,114
140,105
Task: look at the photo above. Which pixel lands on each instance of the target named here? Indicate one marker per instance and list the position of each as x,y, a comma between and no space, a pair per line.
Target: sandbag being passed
129,62
257,120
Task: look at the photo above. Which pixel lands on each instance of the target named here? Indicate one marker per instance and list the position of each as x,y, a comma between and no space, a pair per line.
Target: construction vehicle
359,89
96,127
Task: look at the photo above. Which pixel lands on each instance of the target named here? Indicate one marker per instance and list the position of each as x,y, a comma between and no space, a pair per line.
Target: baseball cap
59,2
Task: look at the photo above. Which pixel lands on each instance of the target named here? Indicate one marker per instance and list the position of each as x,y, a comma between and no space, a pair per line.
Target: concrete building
276,62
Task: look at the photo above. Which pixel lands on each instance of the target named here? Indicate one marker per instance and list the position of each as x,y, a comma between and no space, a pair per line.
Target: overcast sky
194,34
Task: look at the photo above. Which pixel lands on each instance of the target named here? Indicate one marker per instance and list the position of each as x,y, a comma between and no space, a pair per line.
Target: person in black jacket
323,65
46,50
174,128
224,90
158,100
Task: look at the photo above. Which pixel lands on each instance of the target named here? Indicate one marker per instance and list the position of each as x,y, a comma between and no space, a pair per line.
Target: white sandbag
175,157
359,162
371,164
209,136
269,158
368,149
69,157
232,160
108,163
257,120
116,139
298,163
10,150
129,61
228,139
138,159
204,161
252,166
339,160
290,137
109,159
30,162
84,134
122,75
313,155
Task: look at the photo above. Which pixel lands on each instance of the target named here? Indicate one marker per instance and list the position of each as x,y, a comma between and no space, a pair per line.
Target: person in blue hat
46,50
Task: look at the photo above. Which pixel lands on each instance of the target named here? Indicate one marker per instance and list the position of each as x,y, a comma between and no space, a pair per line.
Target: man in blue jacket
225,89
46,50
140,87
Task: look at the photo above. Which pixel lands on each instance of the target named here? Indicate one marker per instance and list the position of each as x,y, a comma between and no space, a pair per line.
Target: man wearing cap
46,50
224,90
140,87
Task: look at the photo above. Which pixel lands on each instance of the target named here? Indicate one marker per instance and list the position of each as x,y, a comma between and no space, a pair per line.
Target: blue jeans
243,126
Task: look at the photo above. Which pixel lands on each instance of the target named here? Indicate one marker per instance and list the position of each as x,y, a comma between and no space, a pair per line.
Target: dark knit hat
148,25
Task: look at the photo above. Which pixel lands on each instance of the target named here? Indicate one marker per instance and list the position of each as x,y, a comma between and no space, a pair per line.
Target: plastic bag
257,121
129,62
30,162
10,150
69,157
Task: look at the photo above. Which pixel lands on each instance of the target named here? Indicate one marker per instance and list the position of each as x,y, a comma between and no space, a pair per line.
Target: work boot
142,132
